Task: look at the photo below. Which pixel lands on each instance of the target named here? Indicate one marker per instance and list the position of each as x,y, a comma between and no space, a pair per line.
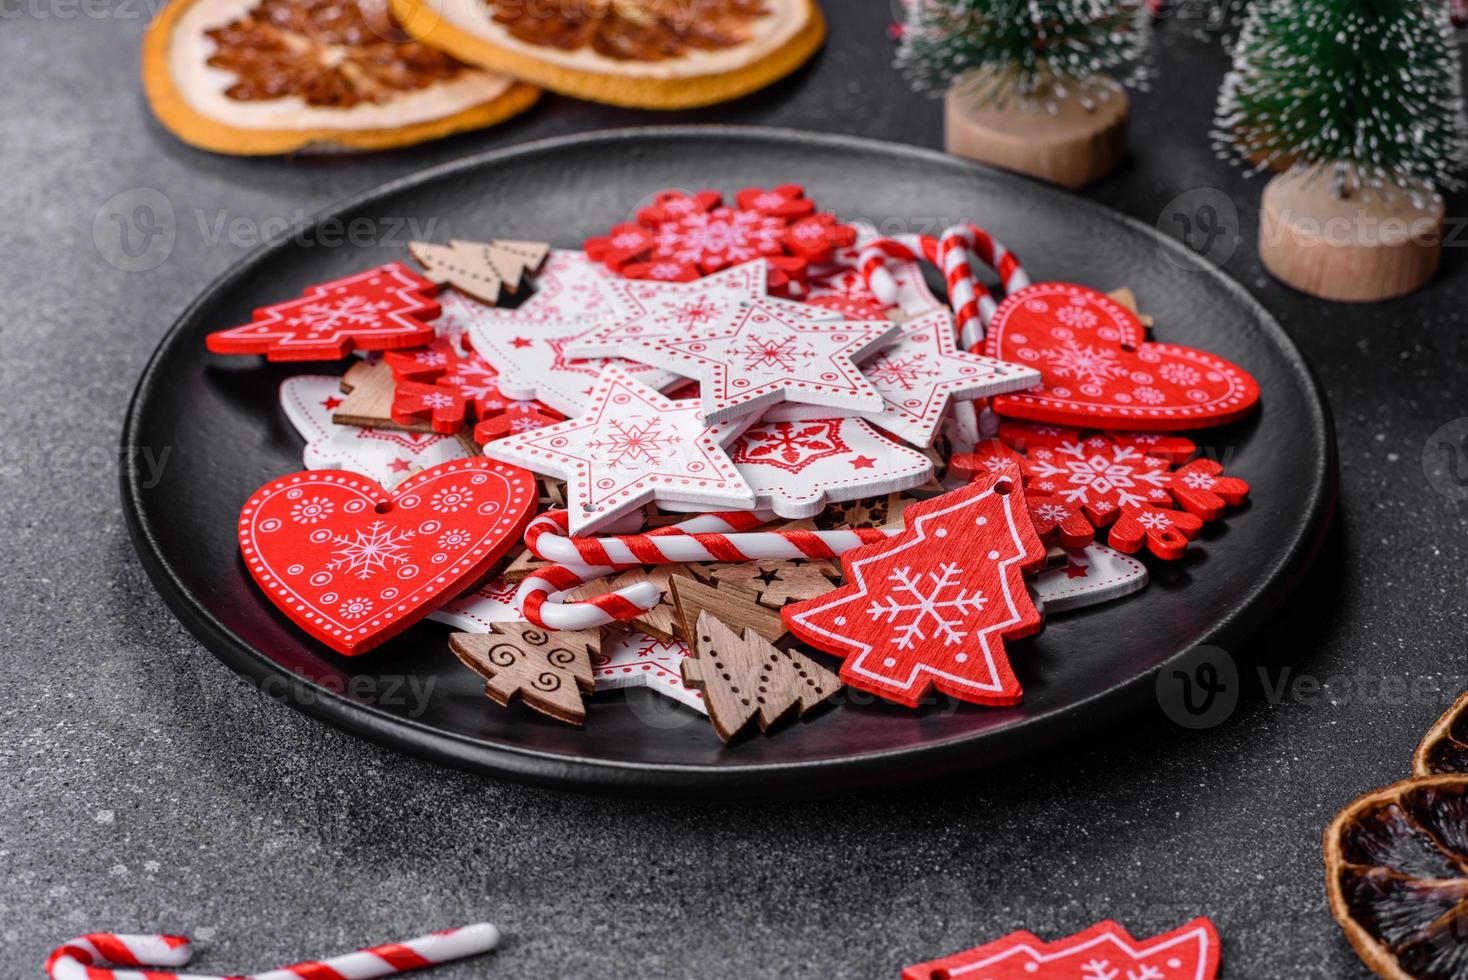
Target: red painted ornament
932,607
1099,370
1105,951
385,308
1165,532
354,565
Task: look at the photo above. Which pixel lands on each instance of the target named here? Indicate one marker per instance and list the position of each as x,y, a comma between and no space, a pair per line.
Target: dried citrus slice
1445,746
655,54
1396,866
272,76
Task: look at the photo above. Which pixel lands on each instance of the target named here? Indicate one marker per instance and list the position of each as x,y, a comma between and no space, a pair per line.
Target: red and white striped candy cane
973,305
91,957
708,538
873,258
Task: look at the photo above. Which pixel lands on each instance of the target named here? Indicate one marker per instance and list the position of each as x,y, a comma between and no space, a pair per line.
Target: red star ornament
933,606
1105,951
385,308
924,371
1100,371
770,354
631,446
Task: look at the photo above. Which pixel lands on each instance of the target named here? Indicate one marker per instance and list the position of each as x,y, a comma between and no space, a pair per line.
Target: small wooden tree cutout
369,389
734,606
777,582
548,670
747,678
480,269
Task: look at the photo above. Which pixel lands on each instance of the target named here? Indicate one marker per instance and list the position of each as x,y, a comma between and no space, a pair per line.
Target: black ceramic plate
226,436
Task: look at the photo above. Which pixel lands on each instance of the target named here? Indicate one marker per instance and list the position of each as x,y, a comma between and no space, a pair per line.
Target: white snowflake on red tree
902,631
606,454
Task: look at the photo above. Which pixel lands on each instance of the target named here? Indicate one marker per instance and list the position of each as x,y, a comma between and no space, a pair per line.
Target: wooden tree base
1070,140
1370,245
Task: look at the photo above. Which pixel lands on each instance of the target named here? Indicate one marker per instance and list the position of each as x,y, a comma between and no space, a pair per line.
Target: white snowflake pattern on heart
450,501
311,510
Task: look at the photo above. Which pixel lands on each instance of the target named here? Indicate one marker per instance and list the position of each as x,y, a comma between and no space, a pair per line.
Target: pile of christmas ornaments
719,442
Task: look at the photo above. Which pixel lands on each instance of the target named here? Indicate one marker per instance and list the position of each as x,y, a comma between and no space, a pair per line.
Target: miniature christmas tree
1030,82
1358,103
1366,88
1027,48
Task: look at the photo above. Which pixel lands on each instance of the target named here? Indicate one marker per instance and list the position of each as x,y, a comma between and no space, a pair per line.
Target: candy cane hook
91,957
708,538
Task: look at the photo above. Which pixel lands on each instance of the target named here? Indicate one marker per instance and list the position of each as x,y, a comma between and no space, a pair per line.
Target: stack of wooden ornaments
717,444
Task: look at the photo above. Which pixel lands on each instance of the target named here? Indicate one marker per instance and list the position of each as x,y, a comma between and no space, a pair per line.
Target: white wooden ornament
388,456
634,659
529,345
632,446
924,371
768,354
478,610
797,468
1088,577
651,310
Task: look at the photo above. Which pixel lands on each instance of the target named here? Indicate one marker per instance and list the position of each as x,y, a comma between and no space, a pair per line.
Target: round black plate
225,435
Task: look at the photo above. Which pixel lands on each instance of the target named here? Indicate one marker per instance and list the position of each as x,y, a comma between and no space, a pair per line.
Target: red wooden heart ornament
354,565
1099,371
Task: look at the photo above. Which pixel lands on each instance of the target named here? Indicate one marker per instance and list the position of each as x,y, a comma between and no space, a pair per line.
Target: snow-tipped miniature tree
1031,49
1367,89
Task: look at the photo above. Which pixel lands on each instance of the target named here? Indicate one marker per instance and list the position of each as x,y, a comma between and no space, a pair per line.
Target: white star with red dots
921,374
631,446
529,346
770,353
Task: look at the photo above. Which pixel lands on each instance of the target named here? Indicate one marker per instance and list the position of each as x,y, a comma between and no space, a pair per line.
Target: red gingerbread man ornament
932,607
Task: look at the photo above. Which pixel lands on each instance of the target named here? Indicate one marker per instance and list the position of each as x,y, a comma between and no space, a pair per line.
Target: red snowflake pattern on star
680,236
792,446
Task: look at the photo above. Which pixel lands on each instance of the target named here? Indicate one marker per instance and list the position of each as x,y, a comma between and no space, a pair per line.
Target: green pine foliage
1026,46
1369,88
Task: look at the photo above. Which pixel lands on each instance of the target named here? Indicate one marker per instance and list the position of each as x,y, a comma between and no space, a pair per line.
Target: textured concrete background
141,789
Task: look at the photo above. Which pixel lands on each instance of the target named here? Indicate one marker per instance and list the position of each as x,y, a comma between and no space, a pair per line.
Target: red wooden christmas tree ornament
1105,951
933,606
385,308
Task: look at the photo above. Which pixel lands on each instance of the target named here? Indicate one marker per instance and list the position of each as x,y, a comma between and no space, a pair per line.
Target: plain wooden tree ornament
1325,235
744,678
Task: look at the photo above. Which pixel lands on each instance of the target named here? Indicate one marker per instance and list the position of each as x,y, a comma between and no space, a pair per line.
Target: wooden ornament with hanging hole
1073,133
1323,233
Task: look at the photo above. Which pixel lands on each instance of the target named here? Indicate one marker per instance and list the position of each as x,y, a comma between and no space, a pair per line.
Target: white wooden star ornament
924,371
529,346
631,446
769,353
648,309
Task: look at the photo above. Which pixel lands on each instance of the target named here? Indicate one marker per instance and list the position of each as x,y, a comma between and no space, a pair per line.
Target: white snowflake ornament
631,446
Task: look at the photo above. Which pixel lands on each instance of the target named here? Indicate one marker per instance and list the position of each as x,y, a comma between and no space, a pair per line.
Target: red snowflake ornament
1060,522
988,456
1166,533
1098,476
1025,436
439,385
514,422
1105,951
681,237
354,565
1201,488
1170,446
932,607
385,308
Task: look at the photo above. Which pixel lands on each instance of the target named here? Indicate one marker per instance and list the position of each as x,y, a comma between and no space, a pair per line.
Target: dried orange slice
654,54
1396,864
273,76
1445,746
